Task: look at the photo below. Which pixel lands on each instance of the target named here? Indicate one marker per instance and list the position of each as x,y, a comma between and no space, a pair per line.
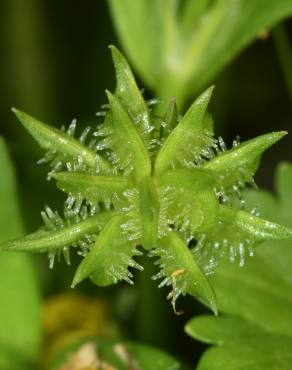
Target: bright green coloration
149,208
182,271
55,235
187,140
61,147
240,163
121,251
257,331
20,323
153,182
179,46
240,344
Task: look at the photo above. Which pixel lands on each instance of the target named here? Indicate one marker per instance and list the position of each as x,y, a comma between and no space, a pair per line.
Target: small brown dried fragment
174,276
86,358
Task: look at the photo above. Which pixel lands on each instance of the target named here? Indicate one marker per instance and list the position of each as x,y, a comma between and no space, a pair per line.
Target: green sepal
209,205
194,179
43,240
254,227
236,235
180,270
128,141
236,166
94,188
59,143
193,198
109,258
189,139
129,94
149,213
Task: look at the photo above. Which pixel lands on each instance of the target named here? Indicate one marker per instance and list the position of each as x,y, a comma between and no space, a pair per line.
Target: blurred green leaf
10,359
240,344
259,294
179,47
20,301
118,355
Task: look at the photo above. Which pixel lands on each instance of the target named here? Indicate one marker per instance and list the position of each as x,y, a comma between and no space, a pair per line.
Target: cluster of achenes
161,184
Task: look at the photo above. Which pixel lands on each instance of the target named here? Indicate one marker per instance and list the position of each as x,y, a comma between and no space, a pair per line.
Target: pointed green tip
207,296
280,134
215,310
273,137
113,48
209,90
205,97
110,96
118,58
53,175
116,54
25,119
76,280
212,304
57,175
19,114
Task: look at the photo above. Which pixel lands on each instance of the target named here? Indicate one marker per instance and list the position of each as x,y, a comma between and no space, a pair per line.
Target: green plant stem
284,51
154,311
28,62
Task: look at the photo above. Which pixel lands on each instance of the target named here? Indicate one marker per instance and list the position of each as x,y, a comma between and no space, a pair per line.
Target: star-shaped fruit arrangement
158,184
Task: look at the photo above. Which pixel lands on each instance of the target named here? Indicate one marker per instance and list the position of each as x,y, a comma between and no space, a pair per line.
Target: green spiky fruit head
160,184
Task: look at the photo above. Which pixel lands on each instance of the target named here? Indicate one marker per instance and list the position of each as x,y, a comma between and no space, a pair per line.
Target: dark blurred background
55,65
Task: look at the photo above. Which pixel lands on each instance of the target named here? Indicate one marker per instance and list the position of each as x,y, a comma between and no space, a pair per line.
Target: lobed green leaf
258,331
239,344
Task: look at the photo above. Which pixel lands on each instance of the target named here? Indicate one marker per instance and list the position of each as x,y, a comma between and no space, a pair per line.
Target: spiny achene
162,184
